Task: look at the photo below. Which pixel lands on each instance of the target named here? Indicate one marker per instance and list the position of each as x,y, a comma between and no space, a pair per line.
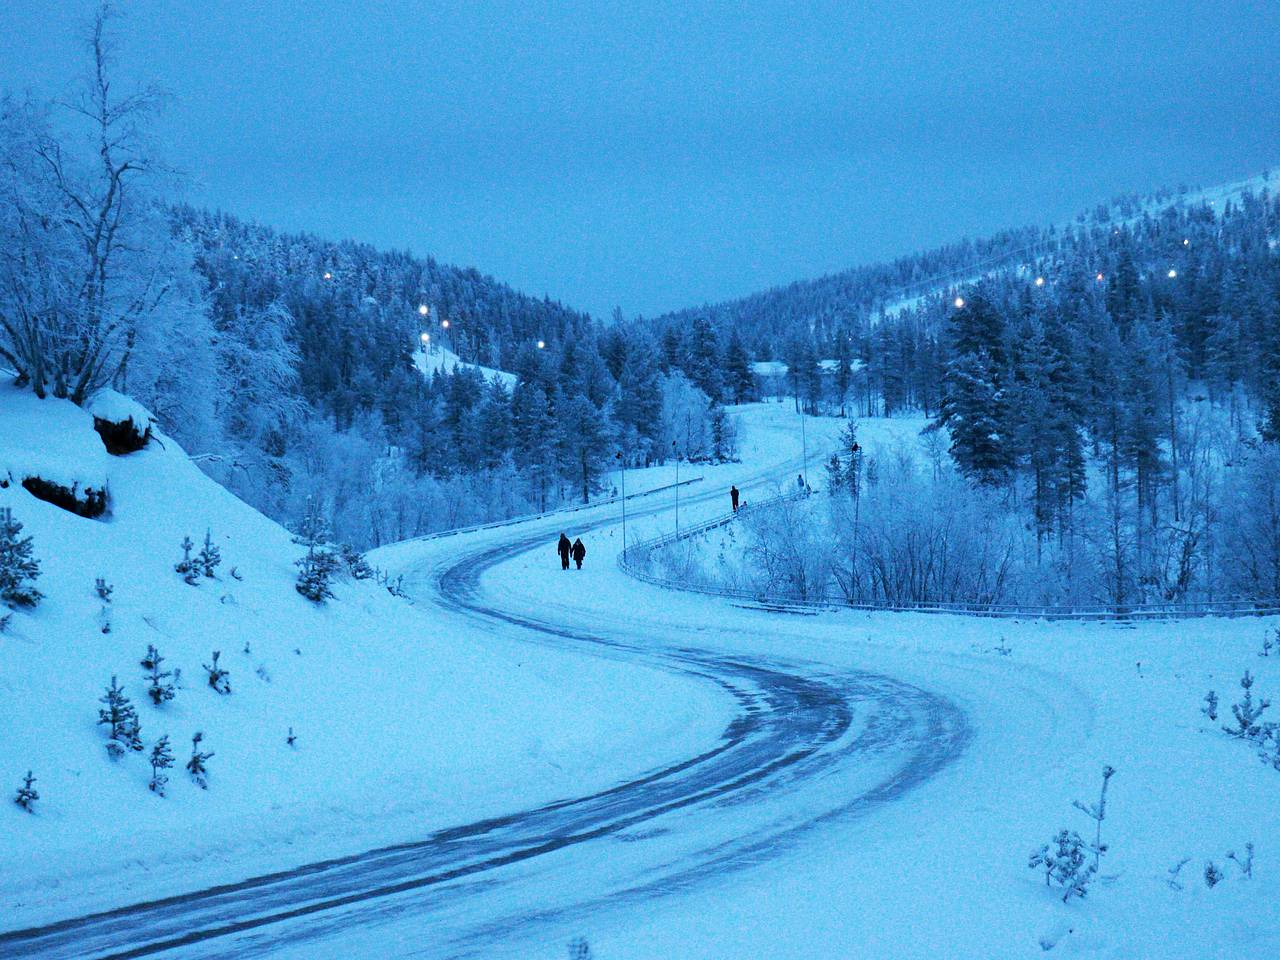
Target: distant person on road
579,551
564,548
733,495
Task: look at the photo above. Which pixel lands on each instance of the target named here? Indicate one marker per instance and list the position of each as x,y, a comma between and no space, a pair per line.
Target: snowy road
808,746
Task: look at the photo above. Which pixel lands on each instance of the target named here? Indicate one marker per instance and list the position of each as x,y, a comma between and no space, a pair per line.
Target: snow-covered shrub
1064,859
579,949
1247,712
187,566
219,677
209,557
292,739
317,568
195,766
18,568
1245,863
1210,708
124,435
27,796
103,589
123,729
159,687
357,566
1064,862
161,760
5,620
1269,643
1212,875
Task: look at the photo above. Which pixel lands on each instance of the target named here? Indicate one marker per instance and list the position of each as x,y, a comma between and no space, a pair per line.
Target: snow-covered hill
402,725
438,358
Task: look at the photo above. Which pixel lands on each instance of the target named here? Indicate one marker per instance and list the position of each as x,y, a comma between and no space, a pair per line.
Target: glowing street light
328,275
542,344
444,324
426,340
1039,281
423,310
1100,278
1186,243
1173,274
959,302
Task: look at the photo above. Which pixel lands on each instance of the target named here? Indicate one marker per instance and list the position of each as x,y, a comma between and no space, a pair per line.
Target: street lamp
426,341
423,310
1039,281
622,465
1173,274
959,301
676,455
542,344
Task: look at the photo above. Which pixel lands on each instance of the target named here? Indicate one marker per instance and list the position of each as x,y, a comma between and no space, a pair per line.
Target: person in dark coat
564,548
579,551
733,495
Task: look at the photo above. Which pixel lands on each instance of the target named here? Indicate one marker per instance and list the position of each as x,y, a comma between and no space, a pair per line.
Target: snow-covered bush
18,568
1212,875
1247,712
161,760
103,589
1064,860
159,686
27,796
195,766
121,719
219,676
291,739
209,557
187,567
357,566
1210,708
579,949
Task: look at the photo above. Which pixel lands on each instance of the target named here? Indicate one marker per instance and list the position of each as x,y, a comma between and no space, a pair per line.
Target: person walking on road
564,548
733,495
579,551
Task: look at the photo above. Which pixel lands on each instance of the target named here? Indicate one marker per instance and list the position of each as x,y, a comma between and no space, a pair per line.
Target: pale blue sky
660,154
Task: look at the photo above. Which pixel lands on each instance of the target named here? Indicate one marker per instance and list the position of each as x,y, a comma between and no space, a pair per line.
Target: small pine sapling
195,766
5,620
187,566
1064,862
291,739
1210,708
161,760
209,557
579,949
317,567
123,730
159,687
1245,863
1212,875
1247,712
27,796
1268,644
219,677
151,658
18,568
1097,812
357,566
103,589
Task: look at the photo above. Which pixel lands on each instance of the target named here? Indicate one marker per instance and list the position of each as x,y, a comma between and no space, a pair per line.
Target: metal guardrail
1082,612
527,517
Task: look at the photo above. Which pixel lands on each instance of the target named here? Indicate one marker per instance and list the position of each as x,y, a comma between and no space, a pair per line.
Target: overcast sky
659,154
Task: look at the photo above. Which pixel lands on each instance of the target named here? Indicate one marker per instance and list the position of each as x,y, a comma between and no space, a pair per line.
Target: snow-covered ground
934,868
405,723
440,358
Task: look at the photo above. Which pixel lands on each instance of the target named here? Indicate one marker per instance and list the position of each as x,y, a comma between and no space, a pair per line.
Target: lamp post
622,465
676,455
804,450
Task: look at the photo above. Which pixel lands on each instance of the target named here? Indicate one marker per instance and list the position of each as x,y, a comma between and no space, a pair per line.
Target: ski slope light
542,344
328,275
445,324
1039,281
1100,278
959,303
425,338
423,309
1173,274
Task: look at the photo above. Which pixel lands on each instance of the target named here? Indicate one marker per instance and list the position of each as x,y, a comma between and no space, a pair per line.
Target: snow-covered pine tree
835,474
187,566
18,568
292,739
123,729
103,589
1064,863
159,687
195,766
219,676
27,796
209,557
1210,708
316,568
357,566
1247,712
161,760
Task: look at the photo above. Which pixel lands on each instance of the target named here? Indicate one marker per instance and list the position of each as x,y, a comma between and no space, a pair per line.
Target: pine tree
121,719
18,569
195,766
187,567
317,567
974,406
161,760
27,796
209,556
219,677
159,687
739,379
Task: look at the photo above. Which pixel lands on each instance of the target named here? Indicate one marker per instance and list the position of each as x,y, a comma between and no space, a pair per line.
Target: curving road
806,747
